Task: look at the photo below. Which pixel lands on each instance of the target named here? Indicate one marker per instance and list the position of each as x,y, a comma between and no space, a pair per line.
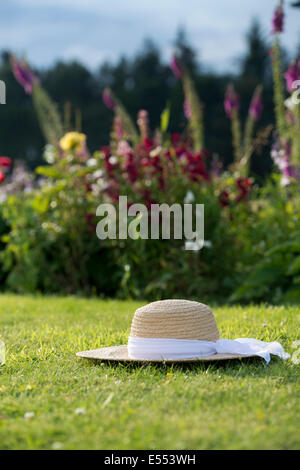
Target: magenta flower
256,106
108,99
175,66
292,74
231,102
277,20
23,75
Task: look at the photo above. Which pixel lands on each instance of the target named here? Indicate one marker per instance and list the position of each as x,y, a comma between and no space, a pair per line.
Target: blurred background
164,102
78,47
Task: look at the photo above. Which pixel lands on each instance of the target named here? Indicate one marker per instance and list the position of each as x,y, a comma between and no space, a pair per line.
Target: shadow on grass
254,366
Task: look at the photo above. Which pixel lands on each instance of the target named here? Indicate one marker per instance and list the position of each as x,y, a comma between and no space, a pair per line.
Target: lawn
50,399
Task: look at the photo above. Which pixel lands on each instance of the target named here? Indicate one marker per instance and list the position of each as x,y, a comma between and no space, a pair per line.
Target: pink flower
118,126
108,99
23,75
256,106
143,122
123,148
187,109
292,74
281,157
2,176
175,66
231,102
291,118
277,21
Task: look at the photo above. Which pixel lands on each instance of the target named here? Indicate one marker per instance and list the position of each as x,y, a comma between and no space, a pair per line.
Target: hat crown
178,319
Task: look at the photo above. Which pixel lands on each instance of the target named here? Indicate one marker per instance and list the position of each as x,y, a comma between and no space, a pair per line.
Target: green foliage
278,89
48,115
236,136
195,106
277,277
164,120
49,246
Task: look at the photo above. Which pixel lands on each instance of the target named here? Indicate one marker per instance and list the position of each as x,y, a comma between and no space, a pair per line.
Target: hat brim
120,353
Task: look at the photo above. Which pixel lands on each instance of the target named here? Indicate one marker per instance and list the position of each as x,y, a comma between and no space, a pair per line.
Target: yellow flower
72,141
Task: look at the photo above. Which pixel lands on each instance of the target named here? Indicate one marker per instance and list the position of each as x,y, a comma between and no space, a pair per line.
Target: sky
94,31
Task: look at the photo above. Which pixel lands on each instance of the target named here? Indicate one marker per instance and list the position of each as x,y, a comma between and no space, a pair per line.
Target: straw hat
187,321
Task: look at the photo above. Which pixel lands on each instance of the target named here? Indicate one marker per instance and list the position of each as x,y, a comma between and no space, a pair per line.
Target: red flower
175,138
244,185
195,166
2,176
224,198
130,168
5,161
147,143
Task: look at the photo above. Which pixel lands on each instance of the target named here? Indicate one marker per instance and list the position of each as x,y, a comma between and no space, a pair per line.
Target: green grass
232,405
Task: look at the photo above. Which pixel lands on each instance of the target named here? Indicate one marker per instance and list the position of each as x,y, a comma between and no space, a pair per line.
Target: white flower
113,160
80,411
285,181
29,415
189,197
98,174
290,104
91,162
2,197
57,446
155,151
50,153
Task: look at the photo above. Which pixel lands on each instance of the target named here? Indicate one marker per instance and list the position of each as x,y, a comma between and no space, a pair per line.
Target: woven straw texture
178,319
120,353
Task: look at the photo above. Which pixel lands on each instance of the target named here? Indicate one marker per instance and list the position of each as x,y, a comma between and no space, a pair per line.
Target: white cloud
93,30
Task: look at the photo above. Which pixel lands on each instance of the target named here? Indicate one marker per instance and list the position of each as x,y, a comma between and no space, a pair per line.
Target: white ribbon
169,348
